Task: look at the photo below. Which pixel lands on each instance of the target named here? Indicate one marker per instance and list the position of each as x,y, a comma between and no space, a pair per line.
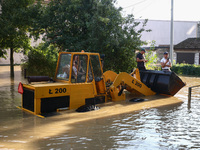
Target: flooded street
168,127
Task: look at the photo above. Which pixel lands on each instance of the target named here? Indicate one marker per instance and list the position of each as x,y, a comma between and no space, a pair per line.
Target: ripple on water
170,127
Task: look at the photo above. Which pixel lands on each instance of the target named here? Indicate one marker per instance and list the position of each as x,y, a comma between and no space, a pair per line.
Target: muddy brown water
168,127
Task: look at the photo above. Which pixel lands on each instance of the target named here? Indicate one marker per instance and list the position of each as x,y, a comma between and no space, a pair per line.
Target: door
98,74
187,58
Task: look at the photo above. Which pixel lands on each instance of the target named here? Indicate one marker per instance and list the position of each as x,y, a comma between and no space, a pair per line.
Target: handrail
190,94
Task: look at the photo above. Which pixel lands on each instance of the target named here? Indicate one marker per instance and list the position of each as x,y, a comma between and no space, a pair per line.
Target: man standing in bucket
140,60
166,62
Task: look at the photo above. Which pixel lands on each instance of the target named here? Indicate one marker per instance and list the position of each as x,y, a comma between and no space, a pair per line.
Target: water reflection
169,127
12,88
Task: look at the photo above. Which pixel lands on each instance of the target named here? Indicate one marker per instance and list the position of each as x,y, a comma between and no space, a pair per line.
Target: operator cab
80,68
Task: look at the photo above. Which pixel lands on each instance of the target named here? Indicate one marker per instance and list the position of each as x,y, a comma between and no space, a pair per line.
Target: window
96,67
90,75
64,67
79,68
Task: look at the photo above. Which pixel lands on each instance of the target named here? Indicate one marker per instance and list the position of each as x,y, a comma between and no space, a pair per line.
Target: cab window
79,68
96,67
64,67
90,75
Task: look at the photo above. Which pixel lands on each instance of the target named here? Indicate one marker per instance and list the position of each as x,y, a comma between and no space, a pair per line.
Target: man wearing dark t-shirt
140,60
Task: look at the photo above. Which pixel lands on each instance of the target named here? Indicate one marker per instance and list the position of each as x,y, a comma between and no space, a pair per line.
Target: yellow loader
79,80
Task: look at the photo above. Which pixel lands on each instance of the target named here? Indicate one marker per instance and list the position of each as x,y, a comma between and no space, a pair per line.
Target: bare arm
139,60
169,64
164,64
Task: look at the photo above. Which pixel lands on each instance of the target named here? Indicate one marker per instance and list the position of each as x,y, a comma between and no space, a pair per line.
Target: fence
190,94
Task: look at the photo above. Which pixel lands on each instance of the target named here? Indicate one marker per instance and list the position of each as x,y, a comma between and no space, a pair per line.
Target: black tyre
86,108
137,100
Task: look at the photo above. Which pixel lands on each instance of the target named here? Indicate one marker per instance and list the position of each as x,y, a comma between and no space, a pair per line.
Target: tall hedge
186,69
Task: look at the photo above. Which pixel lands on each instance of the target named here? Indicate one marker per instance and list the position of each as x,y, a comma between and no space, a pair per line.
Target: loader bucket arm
109,76
132,84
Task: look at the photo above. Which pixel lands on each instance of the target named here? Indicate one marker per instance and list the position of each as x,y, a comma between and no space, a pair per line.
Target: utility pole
172,32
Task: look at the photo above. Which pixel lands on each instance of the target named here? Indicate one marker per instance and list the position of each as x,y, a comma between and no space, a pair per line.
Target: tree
15,20
92,25
152,58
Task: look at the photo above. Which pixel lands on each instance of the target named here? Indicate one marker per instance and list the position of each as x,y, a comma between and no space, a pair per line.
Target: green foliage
186,69
92,25
3,53
152,58
41,60
14,23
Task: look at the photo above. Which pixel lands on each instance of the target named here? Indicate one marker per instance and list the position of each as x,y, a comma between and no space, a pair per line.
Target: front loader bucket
162,82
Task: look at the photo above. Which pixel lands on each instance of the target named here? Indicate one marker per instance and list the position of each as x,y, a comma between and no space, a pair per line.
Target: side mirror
102,56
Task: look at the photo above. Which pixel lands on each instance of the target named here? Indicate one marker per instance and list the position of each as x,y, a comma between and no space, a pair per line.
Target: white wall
17,56
161,31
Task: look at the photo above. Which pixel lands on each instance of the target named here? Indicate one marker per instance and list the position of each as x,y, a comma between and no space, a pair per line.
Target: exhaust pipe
36,78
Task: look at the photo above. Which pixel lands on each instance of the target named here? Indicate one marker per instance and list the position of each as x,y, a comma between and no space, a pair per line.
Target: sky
184,10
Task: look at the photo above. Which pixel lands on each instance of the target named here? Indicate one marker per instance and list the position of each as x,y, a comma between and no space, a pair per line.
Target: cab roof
80,53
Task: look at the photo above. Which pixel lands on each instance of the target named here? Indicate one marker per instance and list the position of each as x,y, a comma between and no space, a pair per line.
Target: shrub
152,58
186,69
41,61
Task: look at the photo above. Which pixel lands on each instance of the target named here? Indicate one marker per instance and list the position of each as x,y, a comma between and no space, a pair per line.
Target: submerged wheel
86,108
137,100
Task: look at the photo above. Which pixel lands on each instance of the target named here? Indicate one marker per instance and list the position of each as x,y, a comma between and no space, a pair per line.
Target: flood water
170,127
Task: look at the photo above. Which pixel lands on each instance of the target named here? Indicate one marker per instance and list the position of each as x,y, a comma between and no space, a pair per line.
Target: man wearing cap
165,62
140,60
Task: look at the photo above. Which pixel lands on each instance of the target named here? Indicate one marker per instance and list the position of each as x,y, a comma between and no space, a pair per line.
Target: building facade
183,30
160,31
188,51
